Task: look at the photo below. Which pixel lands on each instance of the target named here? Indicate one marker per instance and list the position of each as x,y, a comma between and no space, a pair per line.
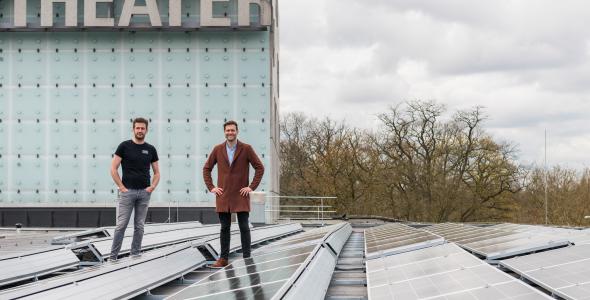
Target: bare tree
424,164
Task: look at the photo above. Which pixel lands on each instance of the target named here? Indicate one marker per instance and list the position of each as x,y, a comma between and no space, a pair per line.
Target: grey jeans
132,199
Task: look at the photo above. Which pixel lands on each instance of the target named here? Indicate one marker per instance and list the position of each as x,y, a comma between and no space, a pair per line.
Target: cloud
527,62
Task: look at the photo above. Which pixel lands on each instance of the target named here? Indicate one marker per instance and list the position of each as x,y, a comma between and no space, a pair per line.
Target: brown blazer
232,178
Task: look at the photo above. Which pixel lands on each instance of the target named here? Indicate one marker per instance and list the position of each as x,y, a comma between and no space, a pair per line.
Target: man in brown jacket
232,191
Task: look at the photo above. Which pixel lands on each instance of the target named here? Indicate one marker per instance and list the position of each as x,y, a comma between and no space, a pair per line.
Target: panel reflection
238,283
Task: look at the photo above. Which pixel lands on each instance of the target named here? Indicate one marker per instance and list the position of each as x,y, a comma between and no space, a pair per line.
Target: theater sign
134,14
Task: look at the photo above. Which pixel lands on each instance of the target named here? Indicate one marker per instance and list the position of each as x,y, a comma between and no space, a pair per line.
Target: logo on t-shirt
145,152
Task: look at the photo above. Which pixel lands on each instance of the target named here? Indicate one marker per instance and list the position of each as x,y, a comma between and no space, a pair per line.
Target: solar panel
16,254
32,265
493,243
310,237
158,239
336,240
575,236
260,269
515,247
441,272
94,273
110,231
506,226
564,272
413,256
257,235
479,236
233,282
263,257
79,236
238,269
155,239
258,292
275,272
509,290
395,238
121,279
157,227
314,279
458,232
533,228
300,238
33,239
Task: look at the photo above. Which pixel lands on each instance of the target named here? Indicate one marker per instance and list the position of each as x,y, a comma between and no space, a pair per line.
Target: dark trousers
224,235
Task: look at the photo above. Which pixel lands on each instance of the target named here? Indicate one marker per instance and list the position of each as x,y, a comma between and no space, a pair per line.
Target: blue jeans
132,199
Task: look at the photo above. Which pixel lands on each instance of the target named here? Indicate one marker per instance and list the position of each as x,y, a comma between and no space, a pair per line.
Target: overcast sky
526,61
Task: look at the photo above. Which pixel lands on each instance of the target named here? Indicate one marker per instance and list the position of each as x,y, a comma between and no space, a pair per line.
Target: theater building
74,73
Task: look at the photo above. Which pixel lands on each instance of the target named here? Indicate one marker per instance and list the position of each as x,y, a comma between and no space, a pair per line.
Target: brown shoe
220,263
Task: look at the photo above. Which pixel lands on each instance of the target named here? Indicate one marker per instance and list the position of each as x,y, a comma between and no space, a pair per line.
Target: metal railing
302,211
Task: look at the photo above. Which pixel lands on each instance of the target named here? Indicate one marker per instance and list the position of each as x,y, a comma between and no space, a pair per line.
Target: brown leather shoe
220,263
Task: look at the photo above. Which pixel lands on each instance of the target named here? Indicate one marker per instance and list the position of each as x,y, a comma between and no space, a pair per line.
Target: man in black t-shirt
135,156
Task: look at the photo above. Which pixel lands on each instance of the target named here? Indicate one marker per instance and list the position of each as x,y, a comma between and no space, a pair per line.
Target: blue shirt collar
230,148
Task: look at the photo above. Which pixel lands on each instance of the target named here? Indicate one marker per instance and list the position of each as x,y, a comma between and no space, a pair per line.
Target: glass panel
261,292
237,283
230,272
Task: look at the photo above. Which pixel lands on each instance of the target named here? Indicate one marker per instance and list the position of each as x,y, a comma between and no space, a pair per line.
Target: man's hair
140,120
230,122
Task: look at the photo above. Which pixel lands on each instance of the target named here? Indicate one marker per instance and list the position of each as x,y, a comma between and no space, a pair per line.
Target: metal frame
312,278
77,236
99,272
305,284
543,242
159,239
237,267
436,240
526,274
457,267
53,260
214,246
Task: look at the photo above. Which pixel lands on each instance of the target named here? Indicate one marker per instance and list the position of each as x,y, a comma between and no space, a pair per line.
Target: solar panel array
442,272
395,238
316,276
156,238
16,268
257,235
492,243
121,279
575,236
157,227
13,241
124,278
274,270
312,236
402,263
109,231
259,274
532,228
564,272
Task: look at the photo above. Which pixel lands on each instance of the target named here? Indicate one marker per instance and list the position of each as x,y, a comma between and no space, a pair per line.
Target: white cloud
527,62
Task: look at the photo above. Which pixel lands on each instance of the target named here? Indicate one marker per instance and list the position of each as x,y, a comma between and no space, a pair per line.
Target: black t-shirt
136,162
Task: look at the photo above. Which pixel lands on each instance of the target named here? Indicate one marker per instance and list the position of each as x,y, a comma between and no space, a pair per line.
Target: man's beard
137,137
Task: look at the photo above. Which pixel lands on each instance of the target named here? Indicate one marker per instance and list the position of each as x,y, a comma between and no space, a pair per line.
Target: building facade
74,73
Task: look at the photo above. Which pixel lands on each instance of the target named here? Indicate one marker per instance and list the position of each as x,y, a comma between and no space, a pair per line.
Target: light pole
546,210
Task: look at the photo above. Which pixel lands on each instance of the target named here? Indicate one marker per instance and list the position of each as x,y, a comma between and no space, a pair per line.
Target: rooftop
352,259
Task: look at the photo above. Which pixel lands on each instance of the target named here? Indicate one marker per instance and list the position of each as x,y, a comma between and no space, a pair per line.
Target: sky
527,62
